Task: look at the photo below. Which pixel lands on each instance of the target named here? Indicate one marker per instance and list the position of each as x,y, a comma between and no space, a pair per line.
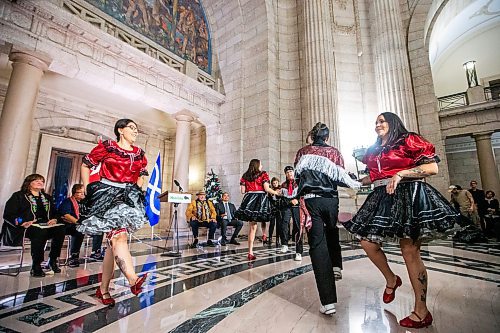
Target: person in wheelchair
201,213
31,208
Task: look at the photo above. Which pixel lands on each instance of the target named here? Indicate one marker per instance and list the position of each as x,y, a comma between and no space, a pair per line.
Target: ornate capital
29,59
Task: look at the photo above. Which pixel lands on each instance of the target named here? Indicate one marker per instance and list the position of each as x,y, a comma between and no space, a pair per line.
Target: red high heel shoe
410,323
251,257
388,298
106,301
136,289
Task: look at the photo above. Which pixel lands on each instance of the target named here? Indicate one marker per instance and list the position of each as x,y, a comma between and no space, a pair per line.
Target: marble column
181,162
487,165
17,119
392,68
320,98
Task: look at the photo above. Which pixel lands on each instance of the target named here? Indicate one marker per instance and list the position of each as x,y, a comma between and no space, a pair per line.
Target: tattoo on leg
121,264
423,280
423,297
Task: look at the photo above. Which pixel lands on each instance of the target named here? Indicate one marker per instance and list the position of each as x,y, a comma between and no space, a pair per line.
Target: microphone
178,185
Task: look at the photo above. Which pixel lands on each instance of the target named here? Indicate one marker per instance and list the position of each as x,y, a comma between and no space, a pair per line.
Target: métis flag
152,193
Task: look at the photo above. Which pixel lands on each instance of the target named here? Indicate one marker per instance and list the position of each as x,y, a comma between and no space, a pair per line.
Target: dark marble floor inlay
171,277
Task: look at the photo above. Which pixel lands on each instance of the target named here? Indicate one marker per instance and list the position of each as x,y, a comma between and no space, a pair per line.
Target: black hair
396,128
320,132
490,191
122,123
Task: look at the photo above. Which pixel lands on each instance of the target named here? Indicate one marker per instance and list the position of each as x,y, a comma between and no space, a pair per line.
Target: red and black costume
255,206
415,209
290,211
318,172
115,202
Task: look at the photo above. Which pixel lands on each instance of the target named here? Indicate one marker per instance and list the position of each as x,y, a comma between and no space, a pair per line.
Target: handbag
11,235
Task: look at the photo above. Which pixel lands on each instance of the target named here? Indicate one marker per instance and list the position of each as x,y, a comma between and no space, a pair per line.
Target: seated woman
31,208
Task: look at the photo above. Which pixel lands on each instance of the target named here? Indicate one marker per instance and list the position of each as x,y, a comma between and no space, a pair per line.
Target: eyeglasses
132,127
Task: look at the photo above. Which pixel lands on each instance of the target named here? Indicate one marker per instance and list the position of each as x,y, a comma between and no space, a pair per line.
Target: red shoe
251,257
106,301
136,289
388,298
410,323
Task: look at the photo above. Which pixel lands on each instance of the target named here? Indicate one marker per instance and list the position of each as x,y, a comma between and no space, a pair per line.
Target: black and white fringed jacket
319,169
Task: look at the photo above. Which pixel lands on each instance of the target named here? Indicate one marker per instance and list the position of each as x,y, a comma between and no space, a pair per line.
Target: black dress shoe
223,242
54,267
195,242
37,272
74,262
210,243
234,241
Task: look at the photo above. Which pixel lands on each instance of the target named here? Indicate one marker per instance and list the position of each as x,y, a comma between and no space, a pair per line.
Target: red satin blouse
118,164
257,184
407,152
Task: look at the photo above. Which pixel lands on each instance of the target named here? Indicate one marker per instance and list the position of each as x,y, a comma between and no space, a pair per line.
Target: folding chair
21,248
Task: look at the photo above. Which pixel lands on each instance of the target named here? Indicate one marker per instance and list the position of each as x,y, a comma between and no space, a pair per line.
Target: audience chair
6,249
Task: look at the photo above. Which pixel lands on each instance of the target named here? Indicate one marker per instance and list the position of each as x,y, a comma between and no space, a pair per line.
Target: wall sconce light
470,72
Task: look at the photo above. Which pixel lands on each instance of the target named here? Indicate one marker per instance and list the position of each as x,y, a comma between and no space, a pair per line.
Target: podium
174,198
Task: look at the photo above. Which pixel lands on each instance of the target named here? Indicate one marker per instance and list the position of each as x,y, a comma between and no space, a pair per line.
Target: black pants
324,246
76,238
237,224
292,212
275,221
97,242
210,225
39,237
492,224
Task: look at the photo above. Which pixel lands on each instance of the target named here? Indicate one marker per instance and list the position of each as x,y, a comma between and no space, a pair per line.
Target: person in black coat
32,209
480,202
225,217
492,217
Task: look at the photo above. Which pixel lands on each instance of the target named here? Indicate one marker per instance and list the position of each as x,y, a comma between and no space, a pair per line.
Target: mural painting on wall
178,25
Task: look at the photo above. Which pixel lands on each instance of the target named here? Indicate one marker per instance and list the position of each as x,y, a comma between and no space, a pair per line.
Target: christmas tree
212,187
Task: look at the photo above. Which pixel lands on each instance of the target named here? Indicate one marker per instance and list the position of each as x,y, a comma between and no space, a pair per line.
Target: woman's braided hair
320,130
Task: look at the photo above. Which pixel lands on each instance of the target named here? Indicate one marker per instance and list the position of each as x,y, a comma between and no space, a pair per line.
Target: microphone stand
176,252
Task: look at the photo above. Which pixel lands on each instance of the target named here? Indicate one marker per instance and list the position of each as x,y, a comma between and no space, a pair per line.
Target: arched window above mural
179,26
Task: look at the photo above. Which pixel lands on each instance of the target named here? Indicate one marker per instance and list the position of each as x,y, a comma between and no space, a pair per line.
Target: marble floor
218,290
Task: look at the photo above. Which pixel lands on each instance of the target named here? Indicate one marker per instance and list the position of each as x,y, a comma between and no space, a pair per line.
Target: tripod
176,252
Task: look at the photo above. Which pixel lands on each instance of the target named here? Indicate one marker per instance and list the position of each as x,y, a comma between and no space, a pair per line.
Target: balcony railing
491,93
453,101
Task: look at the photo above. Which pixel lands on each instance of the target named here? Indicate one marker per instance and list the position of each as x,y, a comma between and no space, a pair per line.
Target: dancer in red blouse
403,206
255,206
115,204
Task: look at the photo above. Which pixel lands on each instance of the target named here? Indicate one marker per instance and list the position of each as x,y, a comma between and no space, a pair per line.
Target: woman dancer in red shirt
115,205
401,206
255,206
